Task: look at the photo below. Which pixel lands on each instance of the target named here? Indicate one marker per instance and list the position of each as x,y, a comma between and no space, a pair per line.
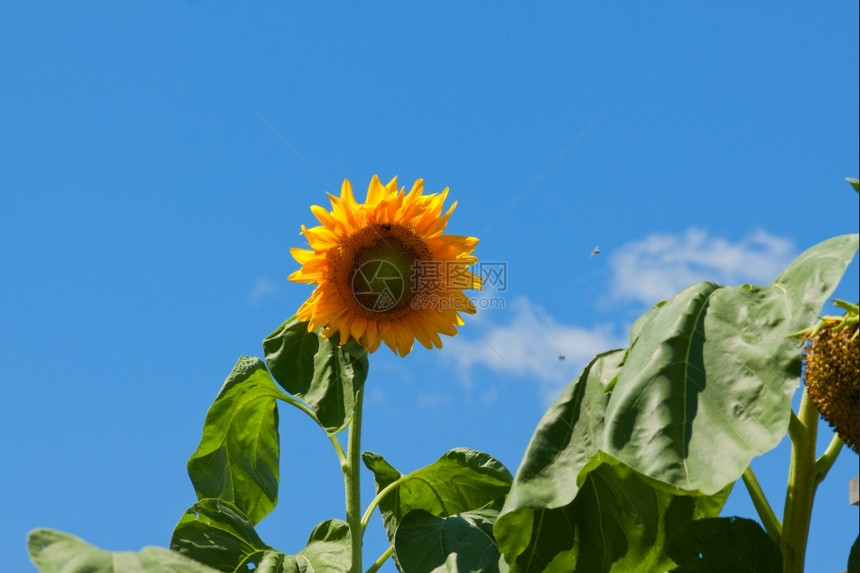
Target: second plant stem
805,473
802,481
352,483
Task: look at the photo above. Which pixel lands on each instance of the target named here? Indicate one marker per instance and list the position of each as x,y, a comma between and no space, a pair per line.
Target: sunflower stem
765,512
381,560
828,458
352,482
802,483
368,513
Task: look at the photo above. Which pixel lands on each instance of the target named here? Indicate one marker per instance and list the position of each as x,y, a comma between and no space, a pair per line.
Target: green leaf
218,534
618,522
56,552
811,278
328,549
724,544
569,511
237,459
854,183
707,386
317,370
650,438
461,480
566,438
426,543
564,442
277,562
636,329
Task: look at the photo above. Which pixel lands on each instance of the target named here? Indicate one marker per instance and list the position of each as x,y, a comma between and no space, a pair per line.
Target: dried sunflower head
832,372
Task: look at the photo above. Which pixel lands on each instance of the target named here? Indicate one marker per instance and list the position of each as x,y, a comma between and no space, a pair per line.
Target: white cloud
262,288
529,348
660,265
530,342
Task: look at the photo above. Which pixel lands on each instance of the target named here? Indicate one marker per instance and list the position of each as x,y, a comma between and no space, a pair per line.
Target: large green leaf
617,523
237,459
569,511
56,552
426,543
461,480
718,545
564,442
323,374
648,439
328,549
566,438
218,534
813,276
707,384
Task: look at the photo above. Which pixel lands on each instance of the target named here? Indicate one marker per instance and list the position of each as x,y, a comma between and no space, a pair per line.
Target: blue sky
147,209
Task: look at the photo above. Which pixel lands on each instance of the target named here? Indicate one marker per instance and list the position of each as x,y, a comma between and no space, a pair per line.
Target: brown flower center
374,270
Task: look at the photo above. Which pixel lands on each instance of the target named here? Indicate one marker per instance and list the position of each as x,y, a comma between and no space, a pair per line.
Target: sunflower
383,269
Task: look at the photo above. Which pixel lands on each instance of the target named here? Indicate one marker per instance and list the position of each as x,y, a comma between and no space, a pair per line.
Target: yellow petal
375,191
302,255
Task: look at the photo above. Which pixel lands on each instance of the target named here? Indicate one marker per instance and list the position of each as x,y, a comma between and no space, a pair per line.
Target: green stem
351,477
795,427
298,404
802,482
828,458
765,512
379,497
382,558
338,449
